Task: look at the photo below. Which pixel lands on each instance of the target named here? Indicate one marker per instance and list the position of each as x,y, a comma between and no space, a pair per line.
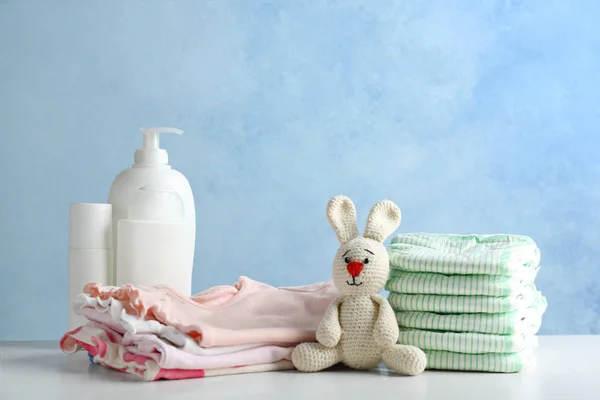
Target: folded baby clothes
462,304
461,285
167,356
111,313
463,254
252,312
488,362
523,320
471,343
156,333
114,355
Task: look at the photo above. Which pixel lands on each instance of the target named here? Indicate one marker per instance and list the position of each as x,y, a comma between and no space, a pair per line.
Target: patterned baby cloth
460,285
471,343
489,362
463,254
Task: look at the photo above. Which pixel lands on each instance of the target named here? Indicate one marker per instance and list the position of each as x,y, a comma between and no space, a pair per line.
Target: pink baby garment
111,314
103,345
247,312
168,356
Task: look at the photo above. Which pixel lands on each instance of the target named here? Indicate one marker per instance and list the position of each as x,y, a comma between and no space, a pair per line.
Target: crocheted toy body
359,328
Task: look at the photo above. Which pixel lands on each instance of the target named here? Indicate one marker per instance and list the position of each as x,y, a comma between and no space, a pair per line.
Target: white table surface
566,369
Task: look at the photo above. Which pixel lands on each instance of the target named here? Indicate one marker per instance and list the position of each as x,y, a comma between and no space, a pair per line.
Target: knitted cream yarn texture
359,328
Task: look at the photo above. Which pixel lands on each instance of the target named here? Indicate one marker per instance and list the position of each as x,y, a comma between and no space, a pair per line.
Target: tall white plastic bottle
154,242
150,169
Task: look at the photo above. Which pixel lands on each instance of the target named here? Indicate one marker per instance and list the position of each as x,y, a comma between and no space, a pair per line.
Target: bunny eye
347,260
366,261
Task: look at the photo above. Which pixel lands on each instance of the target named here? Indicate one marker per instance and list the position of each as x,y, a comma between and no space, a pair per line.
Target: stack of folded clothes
156,333
469,301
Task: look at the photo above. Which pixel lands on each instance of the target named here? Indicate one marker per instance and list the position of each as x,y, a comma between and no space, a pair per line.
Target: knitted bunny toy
359,328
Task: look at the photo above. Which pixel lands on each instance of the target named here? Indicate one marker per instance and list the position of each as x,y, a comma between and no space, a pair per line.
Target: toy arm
386,329
329,330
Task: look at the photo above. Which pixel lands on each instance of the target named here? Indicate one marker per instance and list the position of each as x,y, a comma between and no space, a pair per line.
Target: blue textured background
472,116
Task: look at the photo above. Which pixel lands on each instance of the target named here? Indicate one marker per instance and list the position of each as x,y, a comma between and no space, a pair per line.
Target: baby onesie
99,343
111,313
251,312
167,356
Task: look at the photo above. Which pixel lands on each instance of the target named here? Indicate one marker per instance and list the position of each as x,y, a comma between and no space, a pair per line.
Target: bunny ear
341,214
383,219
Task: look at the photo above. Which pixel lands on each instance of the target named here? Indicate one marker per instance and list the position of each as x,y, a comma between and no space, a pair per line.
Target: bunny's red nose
354,268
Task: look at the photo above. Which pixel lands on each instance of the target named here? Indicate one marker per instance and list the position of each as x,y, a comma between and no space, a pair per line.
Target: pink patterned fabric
247,312
108,350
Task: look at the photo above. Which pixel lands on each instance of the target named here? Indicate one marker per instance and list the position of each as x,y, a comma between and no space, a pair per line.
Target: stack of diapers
469,301
157,333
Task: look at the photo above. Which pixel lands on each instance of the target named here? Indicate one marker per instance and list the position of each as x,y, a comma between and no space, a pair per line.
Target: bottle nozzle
151,153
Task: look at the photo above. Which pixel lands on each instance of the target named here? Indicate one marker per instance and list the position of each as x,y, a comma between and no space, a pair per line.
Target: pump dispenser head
151,153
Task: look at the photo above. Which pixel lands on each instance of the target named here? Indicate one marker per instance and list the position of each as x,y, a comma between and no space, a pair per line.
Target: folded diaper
469,301
462,304
106,350
462,285
526,320
471,343
490,362
463,254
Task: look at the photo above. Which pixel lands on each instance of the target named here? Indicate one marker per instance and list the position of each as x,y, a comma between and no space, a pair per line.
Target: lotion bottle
150,169
90,251
154,242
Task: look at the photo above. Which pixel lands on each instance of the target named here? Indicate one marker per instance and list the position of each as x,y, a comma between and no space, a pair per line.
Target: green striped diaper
462,304
463,254
471,343
526,320
490,362
462,285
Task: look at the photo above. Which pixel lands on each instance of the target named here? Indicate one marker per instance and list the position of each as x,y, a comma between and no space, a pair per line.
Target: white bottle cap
151,153
90,226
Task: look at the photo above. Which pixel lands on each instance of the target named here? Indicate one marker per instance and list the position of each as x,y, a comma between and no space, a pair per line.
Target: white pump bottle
151,170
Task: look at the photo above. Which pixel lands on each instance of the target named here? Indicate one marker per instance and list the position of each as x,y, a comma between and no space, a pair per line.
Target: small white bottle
150,170
90,251
154,242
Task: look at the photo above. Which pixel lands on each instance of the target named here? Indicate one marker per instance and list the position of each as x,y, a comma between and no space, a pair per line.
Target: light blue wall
472,116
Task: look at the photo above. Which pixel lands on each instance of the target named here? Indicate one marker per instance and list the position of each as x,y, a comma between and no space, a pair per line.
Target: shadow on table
67,364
